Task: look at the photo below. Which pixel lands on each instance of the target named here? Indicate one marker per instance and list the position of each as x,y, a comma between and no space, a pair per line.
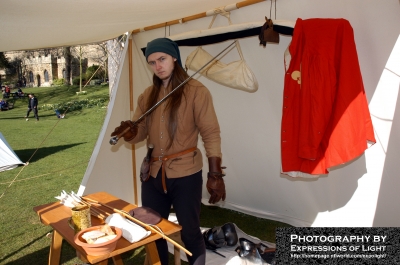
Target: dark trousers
184,194
35,113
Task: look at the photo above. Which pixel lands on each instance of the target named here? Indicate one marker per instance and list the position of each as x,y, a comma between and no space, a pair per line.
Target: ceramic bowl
101,248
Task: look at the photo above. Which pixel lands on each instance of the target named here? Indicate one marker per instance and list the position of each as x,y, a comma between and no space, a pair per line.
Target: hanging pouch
236,74
268,34
146,164
145,170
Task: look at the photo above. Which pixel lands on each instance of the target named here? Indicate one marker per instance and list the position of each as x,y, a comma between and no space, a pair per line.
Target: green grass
58,151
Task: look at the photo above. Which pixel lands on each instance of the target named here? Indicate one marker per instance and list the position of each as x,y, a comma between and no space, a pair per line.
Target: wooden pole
193,17
131,108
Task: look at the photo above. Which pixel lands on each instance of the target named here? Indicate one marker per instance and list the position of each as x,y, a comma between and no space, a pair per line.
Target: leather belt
164,159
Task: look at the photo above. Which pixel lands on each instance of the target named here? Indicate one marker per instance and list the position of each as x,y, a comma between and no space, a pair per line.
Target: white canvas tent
8,158
359,193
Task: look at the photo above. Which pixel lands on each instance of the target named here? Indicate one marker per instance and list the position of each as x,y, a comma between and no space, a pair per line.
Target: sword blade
114,139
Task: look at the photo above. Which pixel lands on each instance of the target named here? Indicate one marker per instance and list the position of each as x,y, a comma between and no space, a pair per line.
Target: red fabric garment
325,119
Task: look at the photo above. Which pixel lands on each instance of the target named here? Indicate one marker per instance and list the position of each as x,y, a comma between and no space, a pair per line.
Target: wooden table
56,215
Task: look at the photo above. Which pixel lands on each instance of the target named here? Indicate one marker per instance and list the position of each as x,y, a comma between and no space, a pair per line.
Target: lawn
58,151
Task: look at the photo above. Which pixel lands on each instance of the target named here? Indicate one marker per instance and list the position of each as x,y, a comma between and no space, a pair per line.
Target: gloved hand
130,134
215,183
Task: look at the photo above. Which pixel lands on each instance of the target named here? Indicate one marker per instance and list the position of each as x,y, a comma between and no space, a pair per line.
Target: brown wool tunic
196,115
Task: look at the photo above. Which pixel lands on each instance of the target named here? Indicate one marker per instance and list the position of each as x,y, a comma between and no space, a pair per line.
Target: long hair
173,102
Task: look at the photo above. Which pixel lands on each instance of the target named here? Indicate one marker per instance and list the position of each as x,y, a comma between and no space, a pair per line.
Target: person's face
162,65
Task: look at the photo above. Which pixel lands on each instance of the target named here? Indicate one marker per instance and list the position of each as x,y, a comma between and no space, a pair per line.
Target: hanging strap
164,159
228,16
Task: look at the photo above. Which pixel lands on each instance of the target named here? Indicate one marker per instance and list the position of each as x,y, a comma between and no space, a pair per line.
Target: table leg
152,254
117,260
146,260
81,257
177,256
55,248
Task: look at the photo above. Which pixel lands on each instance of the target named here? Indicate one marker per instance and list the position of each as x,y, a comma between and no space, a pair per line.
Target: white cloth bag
236,74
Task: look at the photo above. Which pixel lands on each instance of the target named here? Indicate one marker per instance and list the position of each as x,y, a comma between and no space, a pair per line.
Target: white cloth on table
130,231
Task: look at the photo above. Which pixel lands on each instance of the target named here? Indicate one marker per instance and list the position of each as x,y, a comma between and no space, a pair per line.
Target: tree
3,62
68,61
94,72
81,53
101,57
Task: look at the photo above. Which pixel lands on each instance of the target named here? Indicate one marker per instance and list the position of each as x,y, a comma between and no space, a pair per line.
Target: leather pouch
145,169
268,34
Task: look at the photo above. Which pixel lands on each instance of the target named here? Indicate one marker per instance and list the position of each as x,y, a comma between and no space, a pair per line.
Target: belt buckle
160,158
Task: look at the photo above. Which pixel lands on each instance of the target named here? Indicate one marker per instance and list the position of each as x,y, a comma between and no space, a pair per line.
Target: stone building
40,70
40,67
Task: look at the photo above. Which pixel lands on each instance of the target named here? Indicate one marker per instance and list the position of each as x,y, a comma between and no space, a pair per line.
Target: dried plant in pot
97,249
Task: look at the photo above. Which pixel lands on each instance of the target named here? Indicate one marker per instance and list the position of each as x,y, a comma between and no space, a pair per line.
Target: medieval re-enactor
173,128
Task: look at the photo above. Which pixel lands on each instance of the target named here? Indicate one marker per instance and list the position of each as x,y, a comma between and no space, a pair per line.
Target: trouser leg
28,111
187,193
35,112
154,197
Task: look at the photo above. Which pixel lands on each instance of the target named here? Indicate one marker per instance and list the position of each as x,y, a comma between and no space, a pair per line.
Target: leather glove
215,183
130,134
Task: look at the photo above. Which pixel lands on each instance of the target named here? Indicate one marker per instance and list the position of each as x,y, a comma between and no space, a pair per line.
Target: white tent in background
8,158
360,193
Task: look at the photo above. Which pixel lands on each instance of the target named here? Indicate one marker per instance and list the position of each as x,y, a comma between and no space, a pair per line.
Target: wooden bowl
101,248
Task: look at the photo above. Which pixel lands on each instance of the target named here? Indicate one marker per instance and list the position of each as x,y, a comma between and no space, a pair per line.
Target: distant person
59,115
3,105
32,105
20,92
7,92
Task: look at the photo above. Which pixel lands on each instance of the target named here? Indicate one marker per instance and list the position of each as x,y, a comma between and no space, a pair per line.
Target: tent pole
131,107
197,16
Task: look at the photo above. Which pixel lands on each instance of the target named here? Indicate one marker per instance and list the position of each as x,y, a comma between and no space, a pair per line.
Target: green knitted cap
164,45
